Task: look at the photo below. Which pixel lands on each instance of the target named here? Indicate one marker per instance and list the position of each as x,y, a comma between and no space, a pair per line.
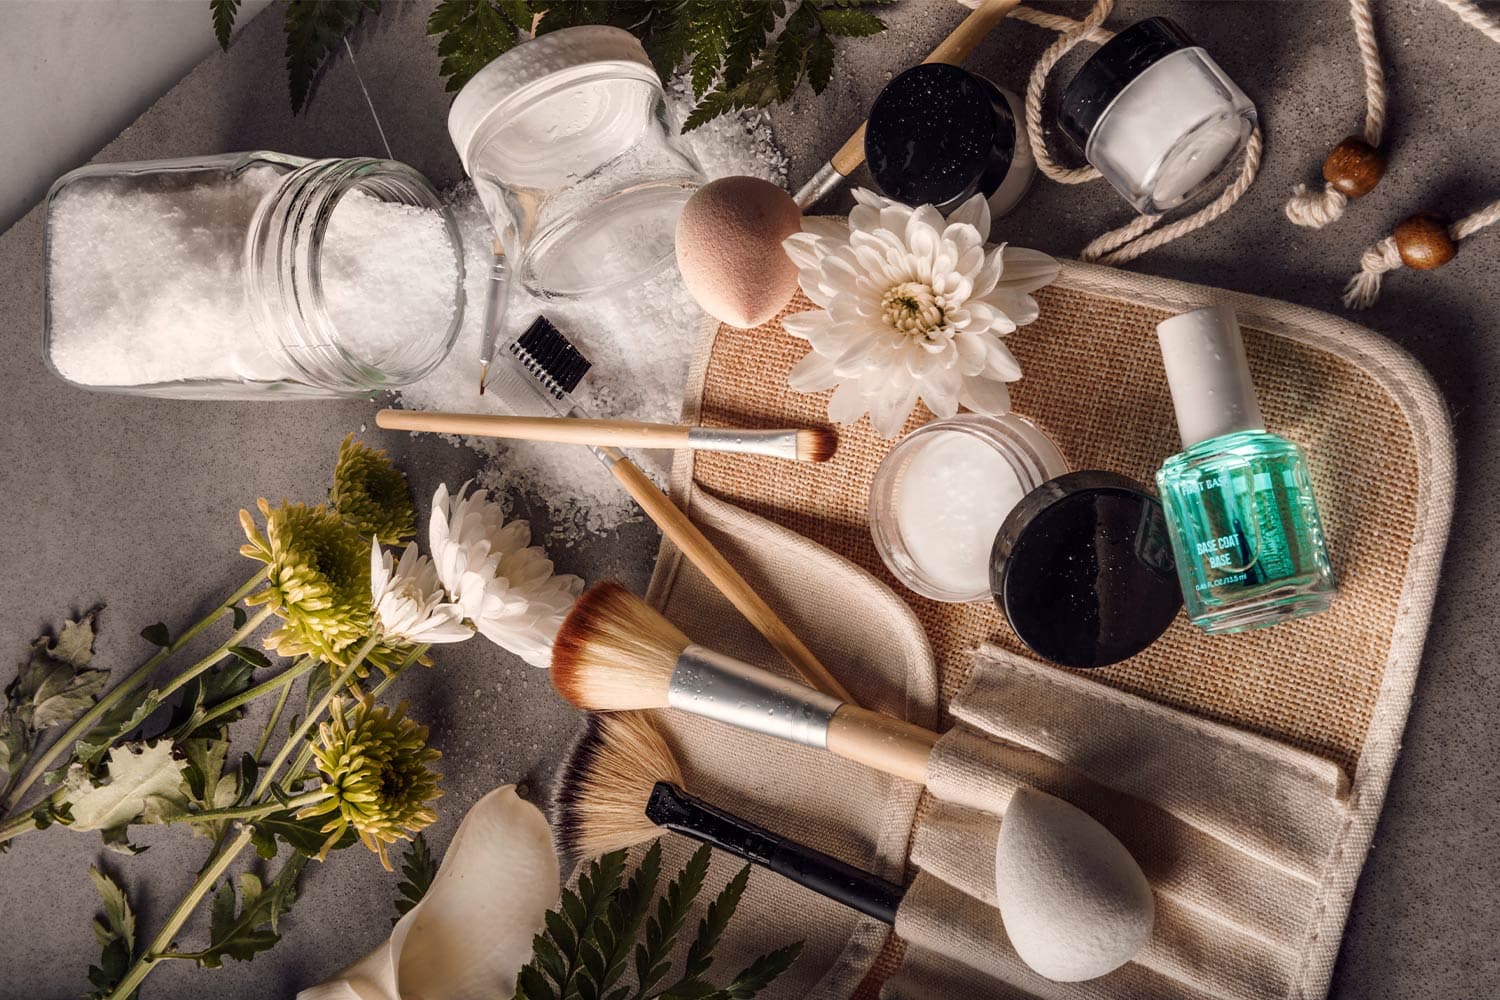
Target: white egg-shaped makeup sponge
729,249
1074,902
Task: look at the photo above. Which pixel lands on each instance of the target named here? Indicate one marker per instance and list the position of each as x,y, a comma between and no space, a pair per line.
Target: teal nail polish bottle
1238,499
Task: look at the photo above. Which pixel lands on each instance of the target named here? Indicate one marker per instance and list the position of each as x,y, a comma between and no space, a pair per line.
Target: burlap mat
1337,685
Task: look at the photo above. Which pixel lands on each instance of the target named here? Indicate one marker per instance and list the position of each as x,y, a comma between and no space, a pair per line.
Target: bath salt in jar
249,275
576,159
941,495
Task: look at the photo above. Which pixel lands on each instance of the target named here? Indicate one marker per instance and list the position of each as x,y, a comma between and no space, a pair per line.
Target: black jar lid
937,134
1118,61
1083,569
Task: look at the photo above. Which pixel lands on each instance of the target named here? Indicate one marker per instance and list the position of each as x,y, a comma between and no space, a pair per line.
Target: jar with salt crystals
940,497
1156,116
249,275
576,159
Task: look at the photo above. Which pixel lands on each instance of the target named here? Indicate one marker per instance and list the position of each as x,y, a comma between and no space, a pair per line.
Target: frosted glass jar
249,275
939,498
576,159
1156,116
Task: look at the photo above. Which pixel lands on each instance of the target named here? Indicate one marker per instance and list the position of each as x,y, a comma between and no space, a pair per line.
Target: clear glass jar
248,275
939,498
576,159
1156,116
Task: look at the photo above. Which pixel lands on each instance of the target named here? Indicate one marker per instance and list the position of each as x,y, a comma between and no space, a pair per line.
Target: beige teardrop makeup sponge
729,249
1074,902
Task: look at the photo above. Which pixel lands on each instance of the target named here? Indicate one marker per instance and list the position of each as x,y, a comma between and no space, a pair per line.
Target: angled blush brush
622,786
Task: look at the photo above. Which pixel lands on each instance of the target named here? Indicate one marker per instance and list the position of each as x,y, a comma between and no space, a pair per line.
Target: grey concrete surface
131,502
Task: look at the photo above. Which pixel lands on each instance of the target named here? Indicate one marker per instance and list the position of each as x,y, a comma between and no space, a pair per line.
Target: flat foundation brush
622,787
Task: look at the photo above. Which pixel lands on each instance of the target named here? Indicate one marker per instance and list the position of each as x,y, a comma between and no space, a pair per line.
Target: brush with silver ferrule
616,653
551,368
622,786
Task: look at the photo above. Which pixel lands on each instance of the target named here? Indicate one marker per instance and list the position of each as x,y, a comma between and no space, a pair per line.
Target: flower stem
21,822
112,697
270,727
242,633
255,811
313,715
282,681
162,943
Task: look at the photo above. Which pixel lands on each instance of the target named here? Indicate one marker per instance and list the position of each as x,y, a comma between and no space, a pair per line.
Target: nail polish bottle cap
1208,374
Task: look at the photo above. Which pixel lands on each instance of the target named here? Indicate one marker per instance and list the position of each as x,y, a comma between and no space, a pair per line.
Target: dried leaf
115,932
143,783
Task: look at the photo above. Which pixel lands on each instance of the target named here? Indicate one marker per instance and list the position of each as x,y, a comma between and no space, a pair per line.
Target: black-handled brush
622,786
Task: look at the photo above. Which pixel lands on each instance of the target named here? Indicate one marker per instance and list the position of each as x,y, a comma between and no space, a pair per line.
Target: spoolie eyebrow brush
622,786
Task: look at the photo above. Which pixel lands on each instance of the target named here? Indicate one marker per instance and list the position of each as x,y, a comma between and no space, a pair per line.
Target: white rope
1073,32
1363,289
1316,209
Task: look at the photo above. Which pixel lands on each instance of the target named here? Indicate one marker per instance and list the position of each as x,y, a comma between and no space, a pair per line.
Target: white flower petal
985,396
1027,270
974,212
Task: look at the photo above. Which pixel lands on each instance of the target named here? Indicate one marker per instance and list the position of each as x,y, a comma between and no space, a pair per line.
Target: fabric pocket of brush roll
870,639
1233,831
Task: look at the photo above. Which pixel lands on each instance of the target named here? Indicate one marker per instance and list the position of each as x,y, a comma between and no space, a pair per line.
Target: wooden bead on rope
1423,242
1354,167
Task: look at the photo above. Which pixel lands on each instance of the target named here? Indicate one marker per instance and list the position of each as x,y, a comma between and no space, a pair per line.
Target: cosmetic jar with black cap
938,134
1083,569
1156,116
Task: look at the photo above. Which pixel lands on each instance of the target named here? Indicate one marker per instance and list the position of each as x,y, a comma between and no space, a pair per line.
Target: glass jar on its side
941,495
248,275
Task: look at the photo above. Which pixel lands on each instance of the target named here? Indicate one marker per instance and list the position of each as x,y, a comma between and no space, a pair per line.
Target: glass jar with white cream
1156,116
940,497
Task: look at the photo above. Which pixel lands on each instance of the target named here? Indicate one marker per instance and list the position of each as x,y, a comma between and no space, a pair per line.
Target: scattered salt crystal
640,341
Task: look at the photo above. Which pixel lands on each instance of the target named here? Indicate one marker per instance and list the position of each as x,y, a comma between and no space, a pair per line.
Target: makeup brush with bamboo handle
622,786
816,444
1077,884
954,49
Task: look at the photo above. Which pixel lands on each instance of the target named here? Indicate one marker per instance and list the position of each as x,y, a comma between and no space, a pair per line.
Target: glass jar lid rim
496,85
1110,70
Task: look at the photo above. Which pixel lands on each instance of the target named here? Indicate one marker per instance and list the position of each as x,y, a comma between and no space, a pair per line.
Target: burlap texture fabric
1302,721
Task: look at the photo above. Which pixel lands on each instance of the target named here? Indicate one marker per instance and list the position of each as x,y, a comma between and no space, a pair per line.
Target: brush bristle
601,800
550,357
615,652
817,444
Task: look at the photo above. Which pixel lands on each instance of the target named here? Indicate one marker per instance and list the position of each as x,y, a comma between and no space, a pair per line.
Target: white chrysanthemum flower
504,585
913,307
410,601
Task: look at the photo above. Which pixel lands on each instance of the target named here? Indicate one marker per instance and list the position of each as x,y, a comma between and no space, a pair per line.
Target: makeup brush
616,653
622,787
961,41
815,444
546,364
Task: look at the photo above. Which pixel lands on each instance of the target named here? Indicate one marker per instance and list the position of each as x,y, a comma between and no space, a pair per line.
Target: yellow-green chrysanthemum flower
371,494
319,579
375,765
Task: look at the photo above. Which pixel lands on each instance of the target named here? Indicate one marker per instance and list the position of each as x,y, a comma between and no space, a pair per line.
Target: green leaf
206,692
653,958
244,931
240,616
303,836
627,911
224,12
143,783
472,33
157,634
820,63
849,22
115,932
314,28
762,972
250,655
418,869
127,715
711,928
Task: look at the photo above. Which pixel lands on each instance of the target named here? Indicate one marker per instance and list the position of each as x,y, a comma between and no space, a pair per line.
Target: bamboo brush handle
961,41
881,742
563,430
712,564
